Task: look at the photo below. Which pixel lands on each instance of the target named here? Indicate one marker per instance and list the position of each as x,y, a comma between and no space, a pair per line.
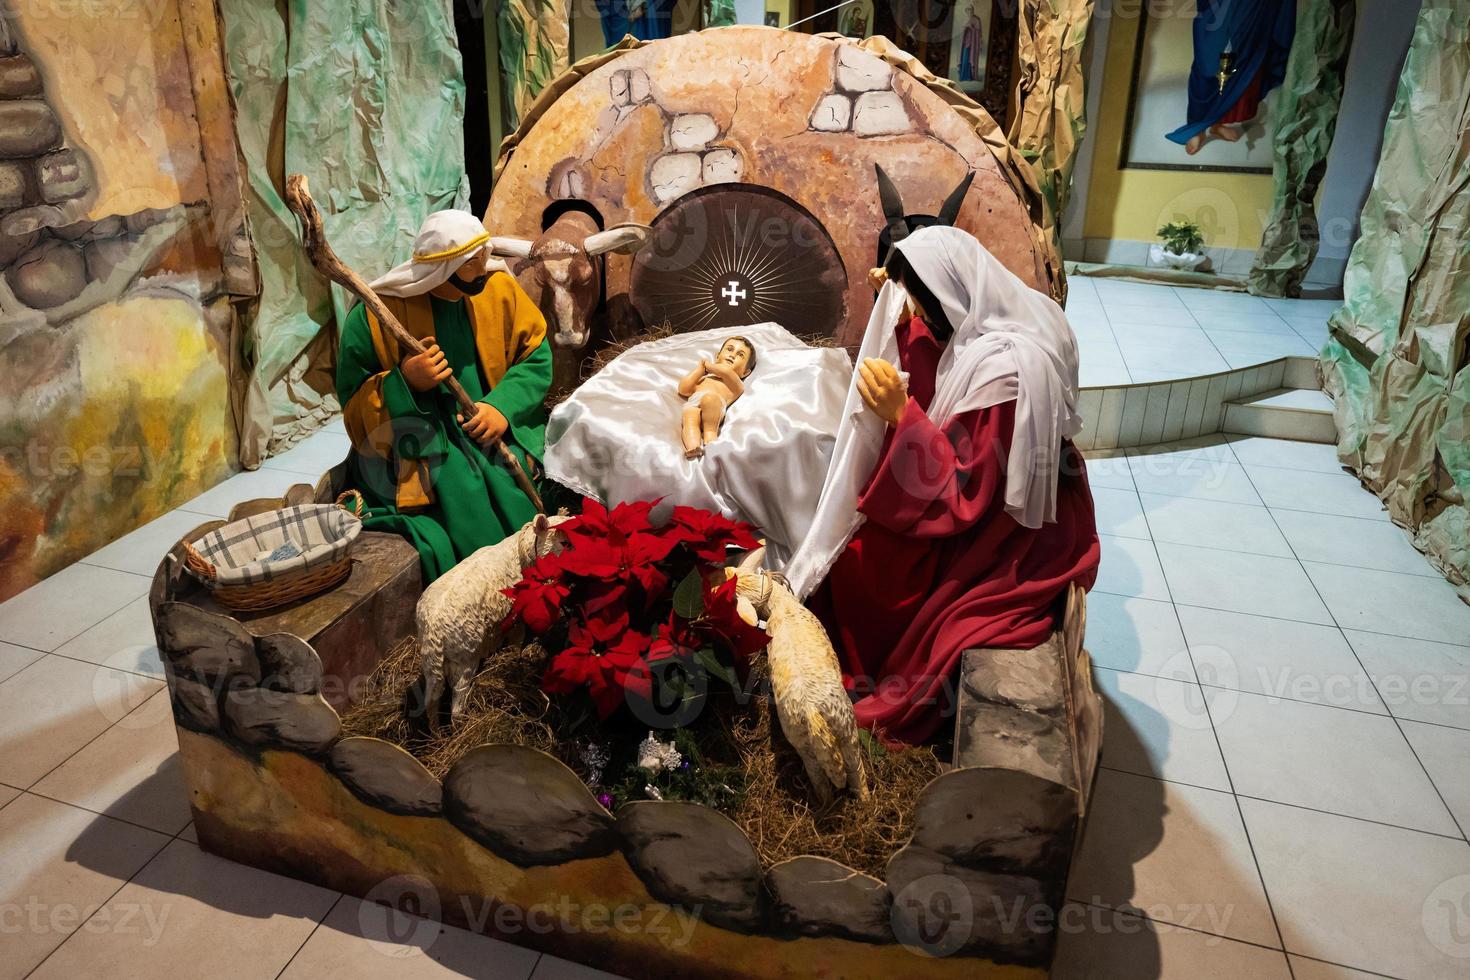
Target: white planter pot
1188,261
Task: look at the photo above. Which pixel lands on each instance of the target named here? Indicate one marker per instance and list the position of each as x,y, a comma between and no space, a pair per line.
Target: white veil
1010,342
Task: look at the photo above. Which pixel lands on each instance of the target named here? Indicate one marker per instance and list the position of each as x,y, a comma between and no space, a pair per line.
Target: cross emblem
733,293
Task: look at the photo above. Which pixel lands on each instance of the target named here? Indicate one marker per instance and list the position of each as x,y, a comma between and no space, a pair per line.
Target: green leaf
689,596
871,745
706,658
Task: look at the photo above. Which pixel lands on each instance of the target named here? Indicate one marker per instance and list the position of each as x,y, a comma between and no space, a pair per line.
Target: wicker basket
227,559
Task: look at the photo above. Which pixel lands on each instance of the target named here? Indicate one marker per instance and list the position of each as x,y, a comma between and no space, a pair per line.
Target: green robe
420,475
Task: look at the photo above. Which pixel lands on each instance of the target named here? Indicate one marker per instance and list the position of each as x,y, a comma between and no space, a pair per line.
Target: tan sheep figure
806,682
459,614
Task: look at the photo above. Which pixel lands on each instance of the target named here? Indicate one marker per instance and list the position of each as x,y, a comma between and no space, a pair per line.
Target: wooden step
1283,413
1150,413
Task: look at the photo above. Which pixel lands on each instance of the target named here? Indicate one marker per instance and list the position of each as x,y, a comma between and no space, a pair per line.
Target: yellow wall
1130,205
587,36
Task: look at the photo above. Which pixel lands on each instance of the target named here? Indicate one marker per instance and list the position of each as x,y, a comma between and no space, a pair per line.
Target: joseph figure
424,470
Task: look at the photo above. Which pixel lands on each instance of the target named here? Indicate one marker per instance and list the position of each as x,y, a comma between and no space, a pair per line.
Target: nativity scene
704,560
730,435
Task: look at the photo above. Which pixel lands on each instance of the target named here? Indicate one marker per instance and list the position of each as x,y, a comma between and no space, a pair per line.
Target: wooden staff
314,239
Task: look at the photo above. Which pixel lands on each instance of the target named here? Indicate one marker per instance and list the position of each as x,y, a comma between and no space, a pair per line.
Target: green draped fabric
1306,112
1397,362
534,37
1052,116
719,13
367,100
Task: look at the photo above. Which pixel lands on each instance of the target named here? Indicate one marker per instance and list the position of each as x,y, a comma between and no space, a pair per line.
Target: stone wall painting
754,124
121,247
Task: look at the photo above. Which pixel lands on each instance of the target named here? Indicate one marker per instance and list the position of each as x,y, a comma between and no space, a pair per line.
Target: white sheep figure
806,683
459,614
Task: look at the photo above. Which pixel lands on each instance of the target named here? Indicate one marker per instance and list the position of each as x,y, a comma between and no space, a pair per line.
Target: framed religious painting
1204,83
856,19
969,36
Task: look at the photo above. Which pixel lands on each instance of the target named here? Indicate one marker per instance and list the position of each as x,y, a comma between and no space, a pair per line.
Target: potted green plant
1182,246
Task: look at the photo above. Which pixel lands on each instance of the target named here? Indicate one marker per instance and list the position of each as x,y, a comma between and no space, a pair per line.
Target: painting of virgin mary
971,27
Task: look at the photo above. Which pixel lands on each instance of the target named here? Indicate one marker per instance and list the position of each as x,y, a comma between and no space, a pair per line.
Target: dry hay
776,810
779,812
505,705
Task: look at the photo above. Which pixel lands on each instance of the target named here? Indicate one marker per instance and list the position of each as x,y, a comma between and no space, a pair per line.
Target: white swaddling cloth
616,438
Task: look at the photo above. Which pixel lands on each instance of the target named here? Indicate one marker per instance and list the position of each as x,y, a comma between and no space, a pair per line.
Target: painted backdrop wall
121,242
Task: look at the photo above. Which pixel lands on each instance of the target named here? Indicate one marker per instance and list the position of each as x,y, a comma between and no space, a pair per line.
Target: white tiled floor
100,874
1283,792
1132,332
1284,781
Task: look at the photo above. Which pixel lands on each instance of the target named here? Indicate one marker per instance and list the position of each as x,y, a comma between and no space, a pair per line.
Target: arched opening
736,254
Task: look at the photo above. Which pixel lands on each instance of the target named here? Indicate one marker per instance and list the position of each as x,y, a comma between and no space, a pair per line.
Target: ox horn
510,248
624,238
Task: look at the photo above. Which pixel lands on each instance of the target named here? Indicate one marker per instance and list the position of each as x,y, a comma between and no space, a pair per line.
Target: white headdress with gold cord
446,241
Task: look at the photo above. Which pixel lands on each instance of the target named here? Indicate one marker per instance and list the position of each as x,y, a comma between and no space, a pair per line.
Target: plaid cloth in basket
323,532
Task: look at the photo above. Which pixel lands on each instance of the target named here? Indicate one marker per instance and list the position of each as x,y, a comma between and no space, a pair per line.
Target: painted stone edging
997,839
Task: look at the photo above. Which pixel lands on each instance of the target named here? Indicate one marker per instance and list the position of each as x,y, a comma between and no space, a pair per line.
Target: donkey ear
951,209
890,198
625,238
510,248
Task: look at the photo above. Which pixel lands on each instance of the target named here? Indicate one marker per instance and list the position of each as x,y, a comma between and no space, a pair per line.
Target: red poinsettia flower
596,521
648,547
592,557
633,560
622,671
651,579
709,535
573,666
630,518
676,638
537,598
604,611
722,614
613,579
619,543
609,672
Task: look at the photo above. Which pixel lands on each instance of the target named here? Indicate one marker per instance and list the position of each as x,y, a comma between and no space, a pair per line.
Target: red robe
939,567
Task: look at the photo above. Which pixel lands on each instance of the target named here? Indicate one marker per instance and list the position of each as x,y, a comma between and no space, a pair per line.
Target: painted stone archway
805,116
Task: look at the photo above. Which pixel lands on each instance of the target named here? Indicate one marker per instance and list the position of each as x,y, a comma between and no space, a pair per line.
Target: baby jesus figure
711,388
